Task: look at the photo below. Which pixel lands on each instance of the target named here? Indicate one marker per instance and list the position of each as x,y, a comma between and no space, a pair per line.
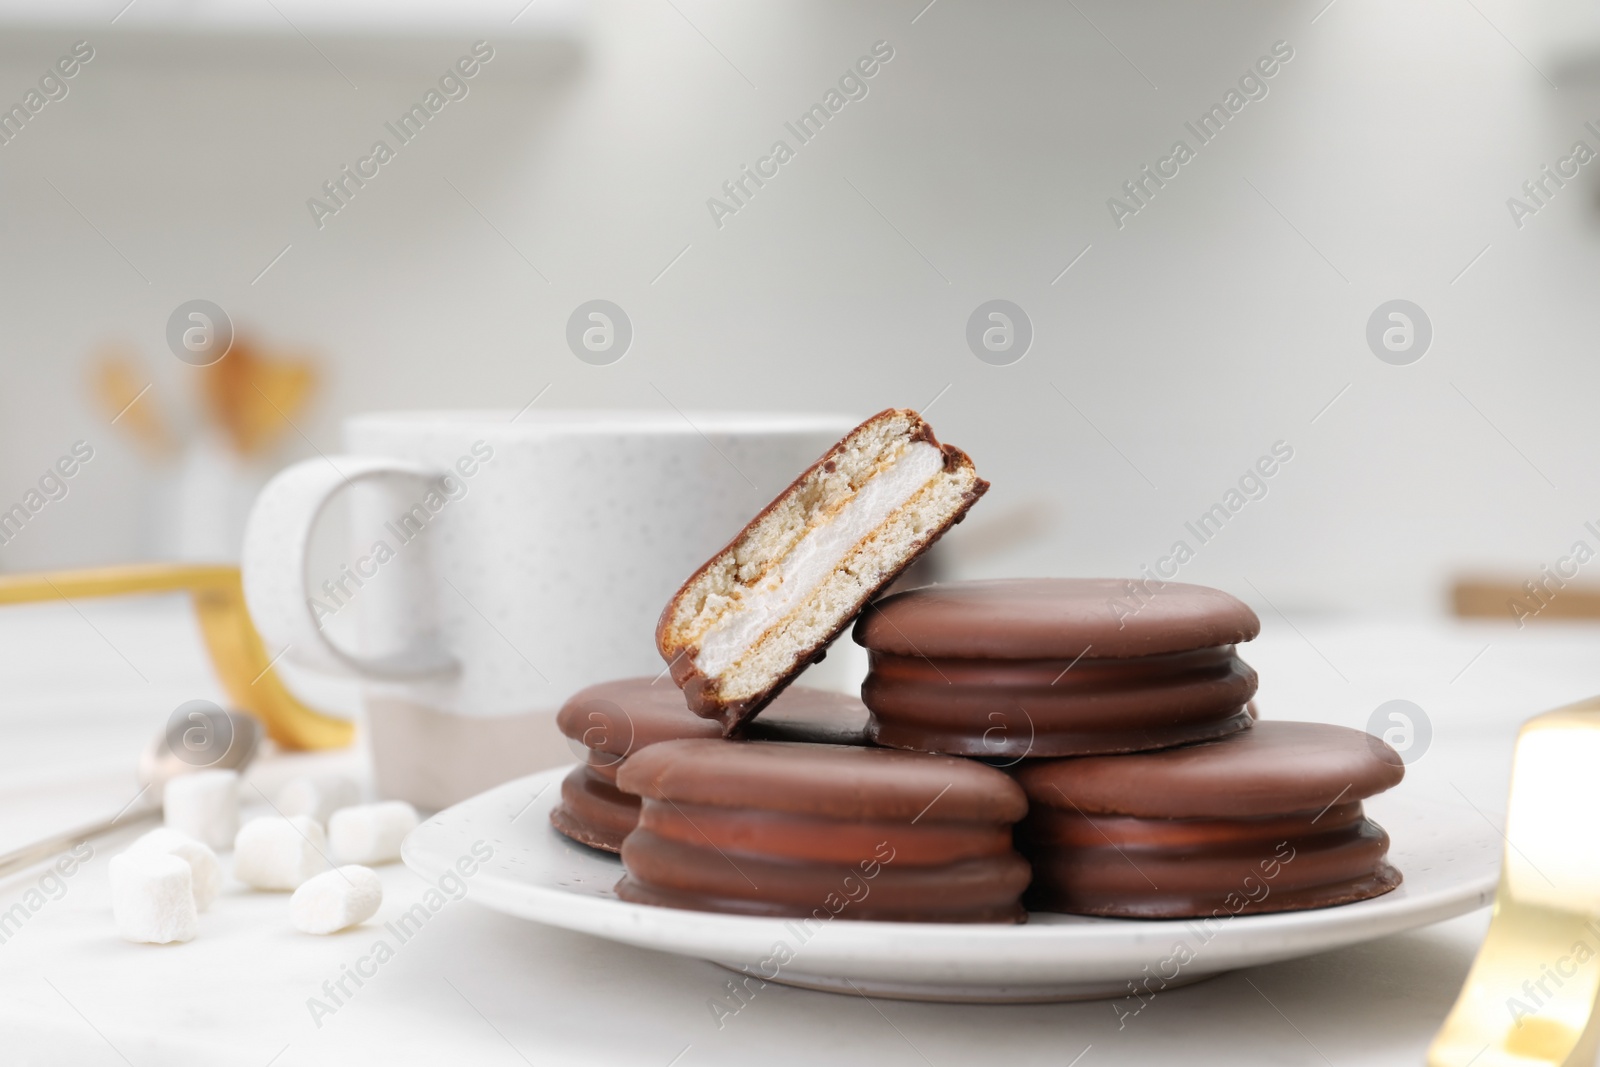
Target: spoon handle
28,855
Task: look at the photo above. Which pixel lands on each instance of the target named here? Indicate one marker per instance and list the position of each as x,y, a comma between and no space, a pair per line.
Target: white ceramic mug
498,564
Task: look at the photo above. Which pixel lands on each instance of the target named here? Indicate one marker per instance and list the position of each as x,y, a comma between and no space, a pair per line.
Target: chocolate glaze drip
765,863
1144,868
1056,707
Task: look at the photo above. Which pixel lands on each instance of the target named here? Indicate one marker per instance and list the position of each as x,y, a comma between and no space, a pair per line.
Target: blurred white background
1222,318
1226,318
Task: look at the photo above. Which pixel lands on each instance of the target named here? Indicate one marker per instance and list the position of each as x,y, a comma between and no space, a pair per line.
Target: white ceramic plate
1449,855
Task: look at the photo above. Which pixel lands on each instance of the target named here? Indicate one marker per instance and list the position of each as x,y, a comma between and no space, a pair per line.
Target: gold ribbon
240,660
1531,995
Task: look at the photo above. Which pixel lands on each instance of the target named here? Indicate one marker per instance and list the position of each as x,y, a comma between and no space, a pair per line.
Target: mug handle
277,542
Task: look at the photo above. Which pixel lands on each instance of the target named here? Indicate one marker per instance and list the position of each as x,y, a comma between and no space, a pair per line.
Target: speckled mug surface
497,564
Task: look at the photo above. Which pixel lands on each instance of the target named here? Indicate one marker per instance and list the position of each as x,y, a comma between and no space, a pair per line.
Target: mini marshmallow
152,897
274,853
336,899
317,797
203,865
371,833
204,805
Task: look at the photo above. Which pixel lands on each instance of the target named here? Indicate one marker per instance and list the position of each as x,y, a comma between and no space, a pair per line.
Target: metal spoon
166,757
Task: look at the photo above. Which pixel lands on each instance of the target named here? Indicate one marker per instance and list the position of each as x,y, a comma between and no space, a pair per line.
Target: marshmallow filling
807,566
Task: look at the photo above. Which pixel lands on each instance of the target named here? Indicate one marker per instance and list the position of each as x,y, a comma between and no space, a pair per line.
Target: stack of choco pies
1150,792
1122,709
1070,745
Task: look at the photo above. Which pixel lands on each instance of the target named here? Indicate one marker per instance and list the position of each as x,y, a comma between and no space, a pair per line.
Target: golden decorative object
254,397
120,389
241,662
1531,995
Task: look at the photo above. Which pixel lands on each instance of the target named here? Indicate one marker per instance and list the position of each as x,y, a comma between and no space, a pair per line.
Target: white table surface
79,695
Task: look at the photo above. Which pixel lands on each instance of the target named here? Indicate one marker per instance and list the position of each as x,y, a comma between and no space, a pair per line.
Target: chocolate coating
787,829
1274,767
1042,708
670,874
1050,667
1119,865
1052,618
817,716
612,720
615,718
825,781
593,811
1261,821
